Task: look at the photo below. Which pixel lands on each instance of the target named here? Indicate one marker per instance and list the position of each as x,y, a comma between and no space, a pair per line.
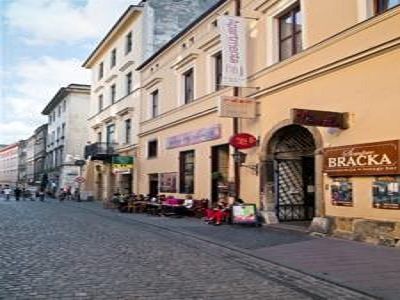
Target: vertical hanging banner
233,40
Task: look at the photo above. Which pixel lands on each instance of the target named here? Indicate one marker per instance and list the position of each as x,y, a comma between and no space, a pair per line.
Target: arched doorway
291,151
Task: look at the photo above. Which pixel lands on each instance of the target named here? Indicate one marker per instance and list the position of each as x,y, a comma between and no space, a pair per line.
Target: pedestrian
41,194
17,193
7,192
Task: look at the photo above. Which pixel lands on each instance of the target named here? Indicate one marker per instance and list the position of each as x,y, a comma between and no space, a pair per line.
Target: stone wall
371,231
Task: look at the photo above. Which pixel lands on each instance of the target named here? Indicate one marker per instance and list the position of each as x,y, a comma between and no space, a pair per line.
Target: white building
67,134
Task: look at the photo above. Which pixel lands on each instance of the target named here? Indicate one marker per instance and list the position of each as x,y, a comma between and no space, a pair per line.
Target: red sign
243,141
80,179
321,118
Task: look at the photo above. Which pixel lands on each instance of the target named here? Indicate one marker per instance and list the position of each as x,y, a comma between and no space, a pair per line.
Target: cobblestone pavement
57,250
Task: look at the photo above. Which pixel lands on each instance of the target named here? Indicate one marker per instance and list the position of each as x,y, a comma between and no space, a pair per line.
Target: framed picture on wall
342,192
386,192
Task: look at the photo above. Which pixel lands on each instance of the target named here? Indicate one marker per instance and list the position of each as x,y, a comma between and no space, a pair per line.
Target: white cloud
51,21
37,82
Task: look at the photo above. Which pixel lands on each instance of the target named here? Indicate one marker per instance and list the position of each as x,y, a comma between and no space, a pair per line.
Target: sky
43,44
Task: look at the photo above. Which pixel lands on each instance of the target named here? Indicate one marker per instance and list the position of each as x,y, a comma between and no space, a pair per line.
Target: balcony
100,151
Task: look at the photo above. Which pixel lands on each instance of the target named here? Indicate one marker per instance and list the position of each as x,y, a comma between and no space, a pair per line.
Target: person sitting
218,213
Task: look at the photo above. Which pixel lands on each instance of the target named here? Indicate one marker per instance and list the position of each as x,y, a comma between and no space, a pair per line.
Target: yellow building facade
339,57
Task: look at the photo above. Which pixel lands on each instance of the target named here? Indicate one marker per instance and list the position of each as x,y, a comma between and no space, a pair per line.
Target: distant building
66,134
9,164
39,153
21,176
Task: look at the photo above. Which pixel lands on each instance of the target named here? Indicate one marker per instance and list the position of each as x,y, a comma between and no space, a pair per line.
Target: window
113,61
112,93
218,70
154,104
63,130
152,149
54,116
101,70
188,86
383,5
59,110
99,137
64,105
100,103
110,134
49,119
186,172
128,83
290,26
128,43
128,131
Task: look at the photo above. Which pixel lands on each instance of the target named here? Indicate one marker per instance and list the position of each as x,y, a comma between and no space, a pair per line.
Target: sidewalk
372,269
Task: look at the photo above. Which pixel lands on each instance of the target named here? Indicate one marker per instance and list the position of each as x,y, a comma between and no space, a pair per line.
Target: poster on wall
168,182
342,192
386,192
244,214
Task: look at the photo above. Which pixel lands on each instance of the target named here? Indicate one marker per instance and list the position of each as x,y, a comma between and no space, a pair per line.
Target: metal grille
294,148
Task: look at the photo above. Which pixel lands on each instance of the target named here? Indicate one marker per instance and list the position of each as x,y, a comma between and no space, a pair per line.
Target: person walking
17,193
41,194
7,192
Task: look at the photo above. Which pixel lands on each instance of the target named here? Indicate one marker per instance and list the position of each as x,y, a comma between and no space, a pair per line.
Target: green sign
122,164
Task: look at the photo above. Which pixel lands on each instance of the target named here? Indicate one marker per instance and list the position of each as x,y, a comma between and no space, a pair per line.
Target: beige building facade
9,165
340,58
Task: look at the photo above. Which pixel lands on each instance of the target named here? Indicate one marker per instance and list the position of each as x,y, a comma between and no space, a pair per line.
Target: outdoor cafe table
172,209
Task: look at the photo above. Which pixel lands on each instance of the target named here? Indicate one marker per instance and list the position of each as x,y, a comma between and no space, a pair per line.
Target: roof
63,92
8,147
128,12
180,34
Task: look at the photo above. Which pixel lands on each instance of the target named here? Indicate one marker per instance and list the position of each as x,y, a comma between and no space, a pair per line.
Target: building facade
9,165
40,153
326,89
66,135
115,95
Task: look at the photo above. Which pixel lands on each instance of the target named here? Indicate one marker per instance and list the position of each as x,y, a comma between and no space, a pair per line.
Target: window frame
100,102
154,96
152,149
184,173
101,71
113,58
381,6
128,43
291,13
217,59
113,93
188,91
128,131
110,133
128,82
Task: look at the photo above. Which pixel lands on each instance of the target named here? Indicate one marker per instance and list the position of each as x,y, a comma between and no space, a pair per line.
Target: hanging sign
381,158
233,40
236,107
243,141
321,118
122,164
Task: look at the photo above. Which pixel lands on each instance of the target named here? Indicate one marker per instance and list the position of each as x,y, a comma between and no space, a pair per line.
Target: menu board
386,192
244,214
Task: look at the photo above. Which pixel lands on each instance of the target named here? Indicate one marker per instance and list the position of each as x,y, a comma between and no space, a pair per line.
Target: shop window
290,30
154,104
186,172
383,5
188,86
218,70
152,149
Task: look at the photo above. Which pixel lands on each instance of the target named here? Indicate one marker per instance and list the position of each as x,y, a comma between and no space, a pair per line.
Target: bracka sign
243,141
381,158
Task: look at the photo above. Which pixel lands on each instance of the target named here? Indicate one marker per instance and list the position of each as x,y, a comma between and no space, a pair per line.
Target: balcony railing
100,151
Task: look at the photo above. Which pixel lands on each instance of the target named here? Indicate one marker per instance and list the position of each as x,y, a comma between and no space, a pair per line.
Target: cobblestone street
55,250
